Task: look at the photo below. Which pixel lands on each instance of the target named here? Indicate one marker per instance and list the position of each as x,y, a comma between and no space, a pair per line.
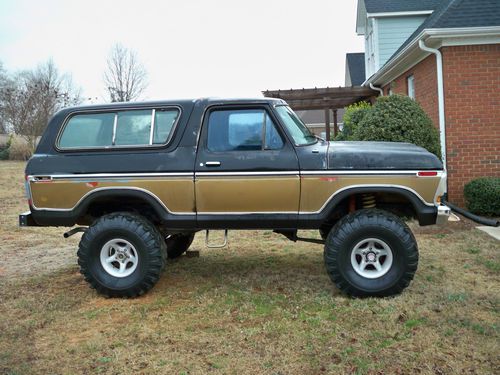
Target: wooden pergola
329,98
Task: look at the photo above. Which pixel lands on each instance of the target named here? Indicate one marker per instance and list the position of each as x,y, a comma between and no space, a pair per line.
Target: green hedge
352,117
394,118
482,196
4,152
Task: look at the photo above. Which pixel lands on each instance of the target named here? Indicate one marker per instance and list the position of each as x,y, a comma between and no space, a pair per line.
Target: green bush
4,154
352,116
482,196
19,150
397,118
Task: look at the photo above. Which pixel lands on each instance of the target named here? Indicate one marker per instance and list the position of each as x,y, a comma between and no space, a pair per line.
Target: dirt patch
26,252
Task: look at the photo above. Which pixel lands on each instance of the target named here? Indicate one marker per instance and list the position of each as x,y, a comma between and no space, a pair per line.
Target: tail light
28,190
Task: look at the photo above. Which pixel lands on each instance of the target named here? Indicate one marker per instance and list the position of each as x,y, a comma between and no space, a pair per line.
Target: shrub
482,196
19,150
352,116
398,118
4,154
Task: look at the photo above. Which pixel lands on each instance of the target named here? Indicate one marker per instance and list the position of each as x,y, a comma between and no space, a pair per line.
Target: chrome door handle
212,164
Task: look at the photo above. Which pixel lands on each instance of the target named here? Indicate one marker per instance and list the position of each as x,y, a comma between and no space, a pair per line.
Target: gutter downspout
442,120
377,89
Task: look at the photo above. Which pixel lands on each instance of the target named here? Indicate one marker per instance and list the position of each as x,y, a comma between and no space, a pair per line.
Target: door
246,172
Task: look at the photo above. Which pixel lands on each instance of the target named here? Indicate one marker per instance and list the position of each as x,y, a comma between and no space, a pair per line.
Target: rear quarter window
90,130
130,128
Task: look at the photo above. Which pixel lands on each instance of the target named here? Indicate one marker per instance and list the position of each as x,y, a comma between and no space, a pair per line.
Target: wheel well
395,202
103,205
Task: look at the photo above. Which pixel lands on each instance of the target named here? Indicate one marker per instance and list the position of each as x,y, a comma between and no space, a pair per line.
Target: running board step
207,242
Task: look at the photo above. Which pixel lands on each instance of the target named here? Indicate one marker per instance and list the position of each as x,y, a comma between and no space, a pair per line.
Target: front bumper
26,220
443,214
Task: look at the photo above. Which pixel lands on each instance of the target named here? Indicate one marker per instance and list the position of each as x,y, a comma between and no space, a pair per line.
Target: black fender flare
119,192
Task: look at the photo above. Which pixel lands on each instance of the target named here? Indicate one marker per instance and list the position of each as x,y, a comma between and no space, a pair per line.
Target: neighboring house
354,69
315,120
446,55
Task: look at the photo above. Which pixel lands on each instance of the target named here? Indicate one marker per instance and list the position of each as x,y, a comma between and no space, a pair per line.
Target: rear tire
177,244
324,230
122,255
371,253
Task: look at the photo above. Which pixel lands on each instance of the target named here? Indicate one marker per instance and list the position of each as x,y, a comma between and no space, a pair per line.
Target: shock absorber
368,200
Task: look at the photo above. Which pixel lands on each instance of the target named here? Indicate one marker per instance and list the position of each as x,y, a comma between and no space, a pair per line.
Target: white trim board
399,14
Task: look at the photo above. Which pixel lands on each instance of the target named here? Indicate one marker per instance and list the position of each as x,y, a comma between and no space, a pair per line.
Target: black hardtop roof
179,102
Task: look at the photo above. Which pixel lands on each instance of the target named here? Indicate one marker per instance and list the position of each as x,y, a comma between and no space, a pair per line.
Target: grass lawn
263,305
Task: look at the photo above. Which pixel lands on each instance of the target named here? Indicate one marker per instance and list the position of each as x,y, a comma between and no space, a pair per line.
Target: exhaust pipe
476,218
74,231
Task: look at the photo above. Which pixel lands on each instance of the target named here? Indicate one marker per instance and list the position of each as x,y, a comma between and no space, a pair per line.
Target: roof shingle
356,64
382,6
458,13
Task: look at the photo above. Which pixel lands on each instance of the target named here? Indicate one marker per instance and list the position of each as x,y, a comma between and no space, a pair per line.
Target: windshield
300,133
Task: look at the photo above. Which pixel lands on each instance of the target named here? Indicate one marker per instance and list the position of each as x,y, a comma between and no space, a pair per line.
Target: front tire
122,255
371,253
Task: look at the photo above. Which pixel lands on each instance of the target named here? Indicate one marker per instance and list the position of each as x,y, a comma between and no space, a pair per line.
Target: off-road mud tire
371,223
178,244
147,241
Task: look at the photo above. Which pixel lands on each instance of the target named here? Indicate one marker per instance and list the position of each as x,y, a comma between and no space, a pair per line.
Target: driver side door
246,172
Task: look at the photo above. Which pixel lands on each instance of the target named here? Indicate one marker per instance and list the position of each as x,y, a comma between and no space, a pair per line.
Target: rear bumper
26,220
443,214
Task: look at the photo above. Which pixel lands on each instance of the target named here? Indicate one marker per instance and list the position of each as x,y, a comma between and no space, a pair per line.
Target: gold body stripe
176,193
316,191
247,194
219,194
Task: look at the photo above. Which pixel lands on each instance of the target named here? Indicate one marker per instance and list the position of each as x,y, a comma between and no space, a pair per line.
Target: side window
89,130
133,128
164,123
242,130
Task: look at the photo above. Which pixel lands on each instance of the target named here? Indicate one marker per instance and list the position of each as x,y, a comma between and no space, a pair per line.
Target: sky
190,48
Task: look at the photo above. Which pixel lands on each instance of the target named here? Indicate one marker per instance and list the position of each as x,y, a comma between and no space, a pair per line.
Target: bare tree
30,98
3,86
125,77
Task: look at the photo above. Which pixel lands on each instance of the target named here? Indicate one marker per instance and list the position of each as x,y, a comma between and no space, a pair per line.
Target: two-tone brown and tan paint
174,192
230,193
317,190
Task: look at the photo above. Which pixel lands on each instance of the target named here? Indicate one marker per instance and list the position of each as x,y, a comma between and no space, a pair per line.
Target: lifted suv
144,177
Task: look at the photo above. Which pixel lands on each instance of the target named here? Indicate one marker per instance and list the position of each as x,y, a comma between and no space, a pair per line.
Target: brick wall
472,110
425,83
472,104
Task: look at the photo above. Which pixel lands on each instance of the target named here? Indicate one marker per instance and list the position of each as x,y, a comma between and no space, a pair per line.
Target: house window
411,86
370,49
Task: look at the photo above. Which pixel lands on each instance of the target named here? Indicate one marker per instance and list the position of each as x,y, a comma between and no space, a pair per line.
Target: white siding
370,57
393,32
347,80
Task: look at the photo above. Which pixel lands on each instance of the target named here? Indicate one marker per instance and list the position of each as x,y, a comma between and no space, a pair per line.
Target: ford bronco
142,178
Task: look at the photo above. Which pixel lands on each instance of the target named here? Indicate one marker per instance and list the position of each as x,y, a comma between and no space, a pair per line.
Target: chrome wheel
371,258
119,258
